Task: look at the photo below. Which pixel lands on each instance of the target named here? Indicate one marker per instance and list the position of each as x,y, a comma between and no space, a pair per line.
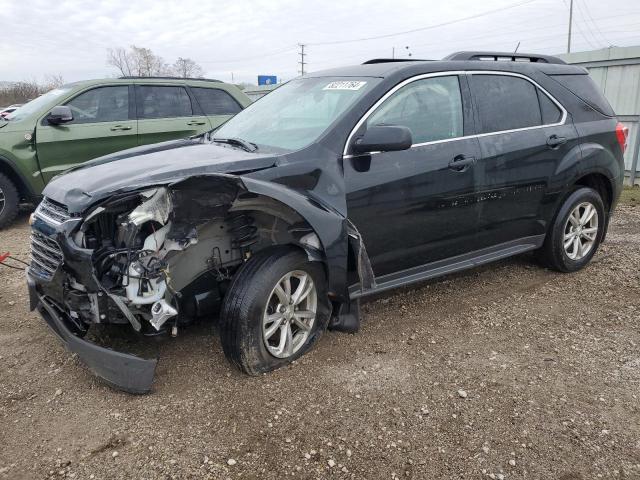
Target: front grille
46,255
52,211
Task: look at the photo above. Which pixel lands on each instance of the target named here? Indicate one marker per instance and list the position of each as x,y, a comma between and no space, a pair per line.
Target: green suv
85,120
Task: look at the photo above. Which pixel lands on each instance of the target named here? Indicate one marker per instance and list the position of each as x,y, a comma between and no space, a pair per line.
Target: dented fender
329,225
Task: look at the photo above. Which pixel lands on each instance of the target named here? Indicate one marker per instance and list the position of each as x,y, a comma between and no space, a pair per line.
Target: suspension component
243,230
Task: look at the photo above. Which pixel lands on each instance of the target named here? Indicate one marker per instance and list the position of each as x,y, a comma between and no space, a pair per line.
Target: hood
166,162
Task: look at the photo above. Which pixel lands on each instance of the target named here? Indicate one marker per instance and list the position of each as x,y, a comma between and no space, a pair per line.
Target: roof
159,80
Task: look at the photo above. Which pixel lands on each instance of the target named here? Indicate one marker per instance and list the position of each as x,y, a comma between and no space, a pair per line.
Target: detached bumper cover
120,370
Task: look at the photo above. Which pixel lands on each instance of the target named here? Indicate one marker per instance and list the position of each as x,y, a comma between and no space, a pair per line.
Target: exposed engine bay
165,256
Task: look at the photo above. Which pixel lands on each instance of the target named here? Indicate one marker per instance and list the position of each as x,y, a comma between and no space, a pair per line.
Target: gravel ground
507,371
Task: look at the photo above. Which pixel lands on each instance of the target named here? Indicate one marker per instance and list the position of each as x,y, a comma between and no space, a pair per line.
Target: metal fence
617,71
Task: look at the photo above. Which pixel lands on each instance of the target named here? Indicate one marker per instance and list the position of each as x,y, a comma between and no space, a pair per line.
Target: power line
429,27
587,26
254,57
595,25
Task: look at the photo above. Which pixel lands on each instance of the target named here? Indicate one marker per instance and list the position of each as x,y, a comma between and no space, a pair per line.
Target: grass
630,196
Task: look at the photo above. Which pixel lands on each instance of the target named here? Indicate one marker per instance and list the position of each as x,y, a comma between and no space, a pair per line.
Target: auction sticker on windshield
345,85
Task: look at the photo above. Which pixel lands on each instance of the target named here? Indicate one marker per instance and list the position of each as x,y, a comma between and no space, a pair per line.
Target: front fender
330,226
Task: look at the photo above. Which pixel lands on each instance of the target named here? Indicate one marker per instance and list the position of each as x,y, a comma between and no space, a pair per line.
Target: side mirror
383,138
60,114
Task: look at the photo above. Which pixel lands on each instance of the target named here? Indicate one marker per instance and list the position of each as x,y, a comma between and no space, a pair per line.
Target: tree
51,82
137,62
187,68
27,90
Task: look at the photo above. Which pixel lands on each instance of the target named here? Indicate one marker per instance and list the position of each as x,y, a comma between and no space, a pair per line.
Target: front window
37,104
104,104
297,113
431,108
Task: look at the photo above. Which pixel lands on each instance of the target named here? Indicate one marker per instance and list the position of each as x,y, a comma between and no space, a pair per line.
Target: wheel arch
601,184
310,225
22,185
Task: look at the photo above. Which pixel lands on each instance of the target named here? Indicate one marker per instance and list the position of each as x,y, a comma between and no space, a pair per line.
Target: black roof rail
134,77
505,56
392,60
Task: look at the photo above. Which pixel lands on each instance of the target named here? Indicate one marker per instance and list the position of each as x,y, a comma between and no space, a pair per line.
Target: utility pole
570,22
302,55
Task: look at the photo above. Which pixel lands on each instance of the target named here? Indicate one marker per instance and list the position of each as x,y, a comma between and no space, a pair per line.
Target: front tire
9,200
576,232
275,310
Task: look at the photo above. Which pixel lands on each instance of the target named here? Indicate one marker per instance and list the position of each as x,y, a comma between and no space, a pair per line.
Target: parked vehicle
85,120
335,186
4,112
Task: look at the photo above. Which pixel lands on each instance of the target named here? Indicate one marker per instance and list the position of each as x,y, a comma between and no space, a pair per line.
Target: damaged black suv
335,186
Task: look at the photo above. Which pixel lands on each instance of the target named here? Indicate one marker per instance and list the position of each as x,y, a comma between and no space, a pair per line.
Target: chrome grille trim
46,255
52,211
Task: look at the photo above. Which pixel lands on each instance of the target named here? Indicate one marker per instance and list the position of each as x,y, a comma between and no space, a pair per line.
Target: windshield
297,113
40,102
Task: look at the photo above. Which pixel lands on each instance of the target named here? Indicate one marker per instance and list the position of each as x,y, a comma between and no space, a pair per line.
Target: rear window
586,89
163,102
505,102
214,101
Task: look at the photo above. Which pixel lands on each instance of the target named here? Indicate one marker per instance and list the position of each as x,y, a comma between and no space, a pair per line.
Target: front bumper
120,370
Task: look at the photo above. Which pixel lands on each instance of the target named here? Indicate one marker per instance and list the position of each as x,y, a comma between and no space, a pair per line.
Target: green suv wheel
8,201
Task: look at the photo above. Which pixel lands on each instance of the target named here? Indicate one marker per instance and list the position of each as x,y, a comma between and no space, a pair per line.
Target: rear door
166,112
216,104
417,206
523,134
103,123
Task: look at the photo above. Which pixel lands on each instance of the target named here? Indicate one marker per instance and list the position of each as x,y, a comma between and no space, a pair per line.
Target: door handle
120,127
555,141
196,122
461,162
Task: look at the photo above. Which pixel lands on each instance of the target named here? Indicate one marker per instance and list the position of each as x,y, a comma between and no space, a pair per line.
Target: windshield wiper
238,142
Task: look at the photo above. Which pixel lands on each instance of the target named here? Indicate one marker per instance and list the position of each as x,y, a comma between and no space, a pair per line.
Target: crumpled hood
164,162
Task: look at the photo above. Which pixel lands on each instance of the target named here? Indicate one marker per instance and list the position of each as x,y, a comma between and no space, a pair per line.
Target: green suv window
163,102
104,104
214,101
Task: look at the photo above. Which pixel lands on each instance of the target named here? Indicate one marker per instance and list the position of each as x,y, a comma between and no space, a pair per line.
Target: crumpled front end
155,259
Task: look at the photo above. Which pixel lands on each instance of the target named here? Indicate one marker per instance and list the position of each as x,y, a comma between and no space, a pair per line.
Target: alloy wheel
290,314
580,231
2,201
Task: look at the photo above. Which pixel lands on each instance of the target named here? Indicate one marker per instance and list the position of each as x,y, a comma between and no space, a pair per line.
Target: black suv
335,186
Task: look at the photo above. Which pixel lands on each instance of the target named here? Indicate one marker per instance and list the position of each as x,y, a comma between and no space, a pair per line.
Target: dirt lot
548,365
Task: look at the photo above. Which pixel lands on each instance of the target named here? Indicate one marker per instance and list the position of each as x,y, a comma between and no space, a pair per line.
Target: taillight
622,133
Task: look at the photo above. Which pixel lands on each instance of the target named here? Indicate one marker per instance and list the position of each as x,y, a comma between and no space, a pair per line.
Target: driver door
103,123
417,206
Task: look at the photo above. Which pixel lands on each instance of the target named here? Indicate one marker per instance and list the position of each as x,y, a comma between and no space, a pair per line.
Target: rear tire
576,232
9,200
261,328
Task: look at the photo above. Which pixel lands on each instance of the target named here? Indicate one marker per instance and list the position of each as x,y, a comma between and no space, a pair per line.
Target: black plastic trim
449,265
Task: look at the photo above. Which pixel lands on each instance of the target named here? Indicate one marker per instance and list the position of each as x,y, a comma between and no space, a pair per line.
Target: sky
242,39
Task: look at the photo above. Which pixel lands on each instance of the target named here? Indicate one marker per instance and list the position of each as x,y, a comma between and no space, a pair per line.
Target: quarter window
505,102
550,111
431,108
214,101
163,102
104,104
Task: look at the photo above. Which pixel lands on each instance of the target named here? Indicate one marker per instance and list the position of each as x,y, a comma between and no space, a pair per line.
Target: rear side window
505,102
104,104
550,111
162,102
586,89
214,101
430,108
